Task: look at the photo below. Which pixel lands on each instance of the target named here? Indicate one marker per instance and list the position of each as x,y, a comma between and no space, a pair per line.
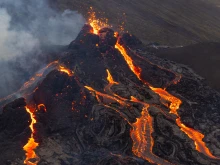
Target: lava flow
110,78
192,134
174,106
65,70
141,136
31,145
111,83
106,96
136,70
175,102
141,129
138,131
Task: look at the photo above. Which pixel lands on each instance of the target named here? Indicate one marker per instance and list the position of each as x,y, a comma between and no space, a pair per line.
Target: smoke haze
26,26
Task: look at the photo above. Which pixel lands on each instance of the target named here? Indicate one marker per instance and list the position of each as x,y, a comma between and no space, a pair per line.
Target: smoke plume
26,26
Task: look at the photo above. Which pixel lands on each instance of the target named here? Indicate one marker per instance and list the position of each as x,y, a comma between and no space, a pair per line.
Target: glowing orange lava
196,136
31,145
174,106
134,69
108,87
141,135
96,23
175,102
42,106
106,95
110,78
65,70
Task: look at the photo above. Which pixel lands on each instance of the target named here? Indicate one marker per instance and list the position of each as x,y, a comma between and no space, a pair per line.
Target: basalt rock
14,131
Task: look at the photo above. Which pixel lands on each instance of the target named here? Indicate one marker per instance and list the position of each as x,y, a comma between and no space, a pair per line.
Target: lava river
31,157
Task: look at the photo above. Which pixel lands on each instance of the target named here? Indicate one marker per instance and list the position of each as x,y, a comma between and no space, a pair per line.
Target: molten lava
196,136
136,70
174,106
96,23
141,135
31,145
65,70
42,106
175,102
110,78
106,96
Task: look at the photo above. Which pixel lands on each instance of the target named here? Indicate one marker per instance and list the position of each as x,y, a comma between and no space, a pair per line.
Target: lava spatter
96,23
31,156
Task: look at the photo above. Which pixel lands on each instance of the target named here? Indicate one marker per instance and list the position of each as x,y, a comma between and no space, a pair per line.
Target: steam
25,27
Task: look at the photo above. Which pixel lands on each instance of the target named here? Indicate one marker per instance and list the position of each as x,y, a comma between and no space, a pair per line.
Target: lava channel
141,135
196,136
65,70
31,156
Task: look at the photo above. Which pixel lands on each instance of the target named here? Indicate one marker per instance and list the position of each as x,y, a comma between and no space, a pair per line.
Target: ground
170,22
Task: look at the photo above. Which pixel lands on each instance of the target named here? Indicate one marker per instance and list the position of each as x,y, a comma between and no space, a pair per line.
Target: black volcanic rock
130,40
14,130
107,39
85,39
87,120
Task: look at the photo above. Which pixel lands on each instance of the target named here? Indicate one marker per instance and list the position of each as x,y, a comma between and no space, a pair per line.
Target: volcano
107,100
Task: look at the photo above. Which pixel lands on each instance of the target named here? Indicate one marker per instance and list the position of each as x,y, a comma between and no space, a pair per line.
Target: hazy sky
26,25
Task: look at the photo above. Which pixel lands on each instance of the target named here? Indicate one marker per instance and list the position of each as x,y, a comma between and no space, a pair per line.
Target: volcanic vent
106,100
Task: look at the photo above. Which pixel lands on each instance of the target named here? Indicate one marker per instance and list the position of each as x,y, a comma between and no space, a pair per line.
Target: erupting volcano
107,100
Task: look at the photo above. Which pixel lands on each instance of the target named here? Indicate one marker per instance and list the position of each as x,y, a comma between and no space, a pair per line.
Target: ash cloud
25,27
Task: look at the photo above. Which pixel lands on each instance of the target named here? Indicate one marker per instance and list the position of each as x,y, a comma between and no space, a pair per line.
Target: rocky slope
169,22
107,100
203,58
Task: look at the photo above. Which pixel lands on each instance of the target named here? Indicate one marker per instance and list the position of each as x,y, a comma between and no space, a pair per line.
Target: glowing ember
31,145
197,138
65,70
